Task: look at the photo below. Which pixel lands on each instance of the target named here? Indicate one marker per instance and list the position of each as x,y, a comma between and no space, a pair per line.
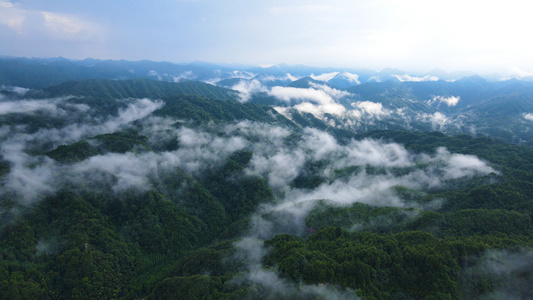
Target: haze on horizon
413,35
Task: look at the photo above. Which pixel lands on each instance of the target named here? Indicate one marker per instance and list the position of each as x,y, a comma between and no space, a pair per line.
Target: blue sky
483,36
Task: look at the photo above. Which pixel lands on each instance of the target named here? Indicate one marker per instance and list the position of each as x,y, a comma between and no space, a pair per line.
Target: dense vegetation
135,88
214,227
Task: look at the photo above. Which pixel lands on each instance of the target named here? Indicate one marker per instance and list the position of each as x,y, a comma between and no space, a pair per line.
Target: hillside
148,189
138,88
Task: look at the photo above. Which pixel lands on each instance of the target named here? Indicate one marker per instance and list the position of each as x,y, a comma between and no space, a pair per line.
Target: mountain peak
306,82
473,79
344,80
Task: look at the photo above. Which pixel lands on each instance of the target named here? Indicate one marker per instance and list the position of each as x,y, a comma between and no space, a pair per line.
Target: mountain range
43,72
389,99
130,180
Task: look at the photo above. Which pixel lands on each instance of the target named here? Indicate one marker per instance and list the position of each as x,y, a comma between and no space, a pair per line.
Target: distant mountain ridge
136,88
342,99
471,105
40,72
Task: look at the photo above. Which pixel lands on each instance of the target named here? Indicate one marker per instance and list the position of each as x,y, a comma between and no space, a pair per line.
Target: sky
419,35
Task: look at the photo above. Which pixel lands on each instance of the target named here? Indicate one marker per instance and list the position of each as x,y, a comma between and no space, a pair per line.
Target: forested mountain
38,73
142,188
134,88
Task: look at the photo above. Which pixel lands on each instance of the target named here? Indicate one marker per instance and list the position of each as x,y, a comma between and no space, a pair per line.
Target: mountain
117,142
136,88
274,79
207,110
306,82
38,73
391,95
229,83
154,189
472,104
344,80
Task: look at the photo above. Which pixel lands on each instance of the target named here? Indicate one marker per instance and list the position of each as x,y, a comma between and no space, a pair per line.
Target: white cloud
285,111
82,124
270,137
27,106
316,100
30,177
377,154
287,215
335,93
291,77
57,25
279,168
251,250
515,72
353,77
528,116
324,77
128,170
154,74
198,151
70,27
373,35
139,109
187,75
319,110
271,78
373,109
281,163
248,87
62,24
321,144
373,190
242,74
460,165
360,187
438,120
407,77
277,157
12,16
374,78
450,101
14,89
509,270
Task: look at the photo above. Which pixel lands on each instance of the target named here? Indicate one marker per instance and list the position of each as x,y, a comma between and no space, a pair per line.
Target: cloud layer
450,101
278,154
34,176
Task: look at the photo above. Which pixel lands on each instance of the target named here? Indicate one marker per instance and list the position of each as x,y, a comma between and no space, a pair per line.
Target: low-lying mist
339,108
279,155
